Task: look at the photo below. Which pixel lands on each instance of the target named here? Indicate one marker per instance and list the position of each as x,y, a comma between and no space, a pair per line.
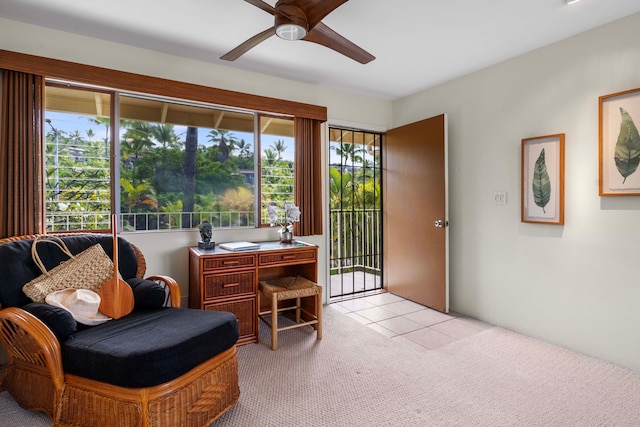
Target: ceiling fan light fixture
301,20
291,31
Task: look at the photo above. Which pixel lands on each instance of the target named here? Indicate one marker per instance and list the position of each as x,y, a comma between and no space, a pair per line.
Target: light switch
500,198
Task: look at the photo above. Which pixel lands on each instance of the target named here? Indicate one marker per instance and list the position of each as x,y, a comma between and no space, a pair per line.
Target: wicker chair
36,379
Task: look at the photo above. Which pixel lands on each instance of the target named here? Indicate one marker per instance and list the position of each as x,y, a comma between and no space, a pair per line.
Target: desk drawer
287,257
245,312
223,285
226,262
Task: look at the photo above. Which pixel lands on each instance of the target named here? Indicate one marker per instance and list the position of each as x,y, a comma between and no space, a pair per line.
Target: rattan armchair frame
36,380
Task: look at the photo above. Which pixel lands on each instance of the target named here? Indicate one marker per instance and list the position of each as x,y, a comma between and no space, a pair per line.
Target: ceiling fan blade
262,5
325,36
244,47
316,10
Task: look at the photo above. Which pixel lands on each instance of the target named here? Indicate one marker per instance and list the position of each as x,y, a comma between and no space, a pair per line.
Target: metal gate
355,208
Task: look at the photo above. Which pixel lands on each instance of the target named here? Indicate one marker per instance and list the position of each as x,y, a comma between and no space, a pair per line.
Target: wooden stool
289,288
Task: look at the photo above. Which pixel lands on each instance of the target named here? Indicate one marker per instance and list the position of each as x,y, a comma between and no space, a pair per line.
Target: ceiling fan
300,20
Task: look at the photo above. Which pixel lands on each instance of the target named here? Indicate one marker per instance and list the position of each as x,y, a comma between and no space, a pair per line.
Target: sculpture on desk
206,231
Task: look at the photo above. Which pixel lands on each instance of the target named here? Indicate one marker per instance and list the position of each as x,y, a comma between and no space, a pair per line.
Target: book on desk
240,246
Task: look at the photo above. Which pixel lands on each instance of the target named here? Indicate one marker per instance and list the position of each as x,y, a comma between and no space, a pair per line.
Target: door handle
440,223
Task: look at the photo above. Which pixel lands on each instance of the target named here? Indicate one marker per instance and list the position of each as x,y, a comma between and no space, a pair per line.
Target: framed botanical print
542,192
619,144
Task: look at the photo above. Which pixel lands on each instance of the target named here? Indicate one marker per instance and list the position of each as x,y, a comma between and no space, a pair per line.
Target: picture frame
619,144
542,181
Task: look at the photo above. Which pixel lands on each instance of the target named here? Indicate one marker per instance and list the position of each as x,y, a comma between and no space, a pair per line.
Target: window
178,162
77,159
277,159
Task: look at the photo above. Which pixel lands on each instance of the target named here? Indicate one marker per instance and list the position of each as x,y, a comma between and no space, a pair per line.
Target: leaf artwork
541,185
627,154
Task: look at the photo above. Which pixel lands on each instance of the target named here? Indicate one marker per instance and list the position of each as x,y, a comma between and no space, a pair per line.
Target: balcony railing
150,221
355,262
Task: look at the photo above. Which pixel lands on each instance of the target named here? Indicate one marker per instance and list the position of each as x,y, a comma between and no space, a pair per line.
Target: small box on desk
240,246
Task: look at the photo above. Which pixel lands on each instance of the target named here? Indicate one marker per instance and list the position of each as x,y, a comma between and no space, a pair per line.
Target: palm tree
190,153
279,147
270,165
226,142
244,148
350,152
106,122
270,158
136,142
165,135
366,171
75,139
142,194
340,188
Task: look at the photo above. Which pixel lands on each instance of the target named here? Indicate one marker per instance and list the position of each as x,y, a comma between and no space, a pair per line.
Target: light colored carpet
357,377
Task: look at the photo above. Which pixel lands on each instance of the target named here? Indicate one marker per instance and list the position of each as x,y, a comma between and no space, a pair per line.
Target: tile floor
409,323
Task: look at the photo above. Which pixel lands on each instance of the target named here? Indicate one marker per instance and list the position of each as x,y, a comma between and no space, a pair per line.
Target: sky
70,123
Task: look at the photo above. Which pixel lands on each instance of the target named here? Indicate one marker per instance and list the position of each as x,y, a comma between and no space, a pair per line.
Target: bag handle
54,241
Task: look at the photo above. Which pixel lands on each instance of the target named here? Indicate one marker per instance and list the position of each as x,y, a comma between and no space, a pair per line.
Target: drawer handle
230,262
230,285
288,257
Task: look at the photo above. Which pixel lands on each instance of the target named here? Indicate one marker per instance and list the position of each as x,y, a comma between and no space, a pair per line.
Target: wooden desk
228,281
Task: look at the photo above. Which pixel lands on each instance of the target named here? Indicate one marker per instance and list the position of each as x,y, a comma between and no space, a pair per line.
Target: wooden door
415,212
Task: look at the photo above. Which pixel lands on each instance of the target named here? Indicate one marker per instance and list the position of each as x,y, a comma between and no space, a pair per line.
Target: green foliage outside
166,180
77,181
355,210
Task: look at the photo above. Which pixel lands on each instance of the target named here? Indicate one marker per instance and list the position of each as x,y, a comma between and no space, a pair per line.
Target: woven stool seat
290,288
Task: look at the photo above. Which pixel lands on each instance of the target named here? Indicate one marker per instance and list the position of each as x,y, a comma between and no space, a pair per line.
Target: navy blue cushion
17,267
149,347
59,320
147,293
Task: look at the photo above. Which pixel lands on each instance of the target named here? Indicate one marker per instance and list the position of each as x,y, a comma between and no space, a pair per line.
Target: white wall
576,285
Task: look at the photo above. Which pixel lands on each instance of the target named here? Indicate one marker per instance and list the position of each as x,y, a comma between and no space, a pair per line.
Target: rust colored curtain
308,176
21,163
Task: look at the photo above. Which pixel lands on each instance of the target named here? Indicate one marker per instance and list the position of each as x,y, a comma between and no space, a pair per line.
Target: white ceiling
417,43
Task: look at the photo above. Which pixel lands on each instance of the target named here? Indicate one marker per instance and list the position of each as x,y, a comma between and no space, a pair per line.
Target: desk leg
274,321
319,315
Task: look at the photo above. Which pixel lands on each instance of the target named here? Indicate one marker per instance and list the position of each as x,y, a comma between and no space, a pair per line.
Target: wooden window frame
131,82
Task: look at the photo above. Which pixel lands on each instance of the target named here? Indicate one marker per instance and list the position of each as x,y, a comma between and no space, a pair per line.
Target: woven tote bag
88,269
